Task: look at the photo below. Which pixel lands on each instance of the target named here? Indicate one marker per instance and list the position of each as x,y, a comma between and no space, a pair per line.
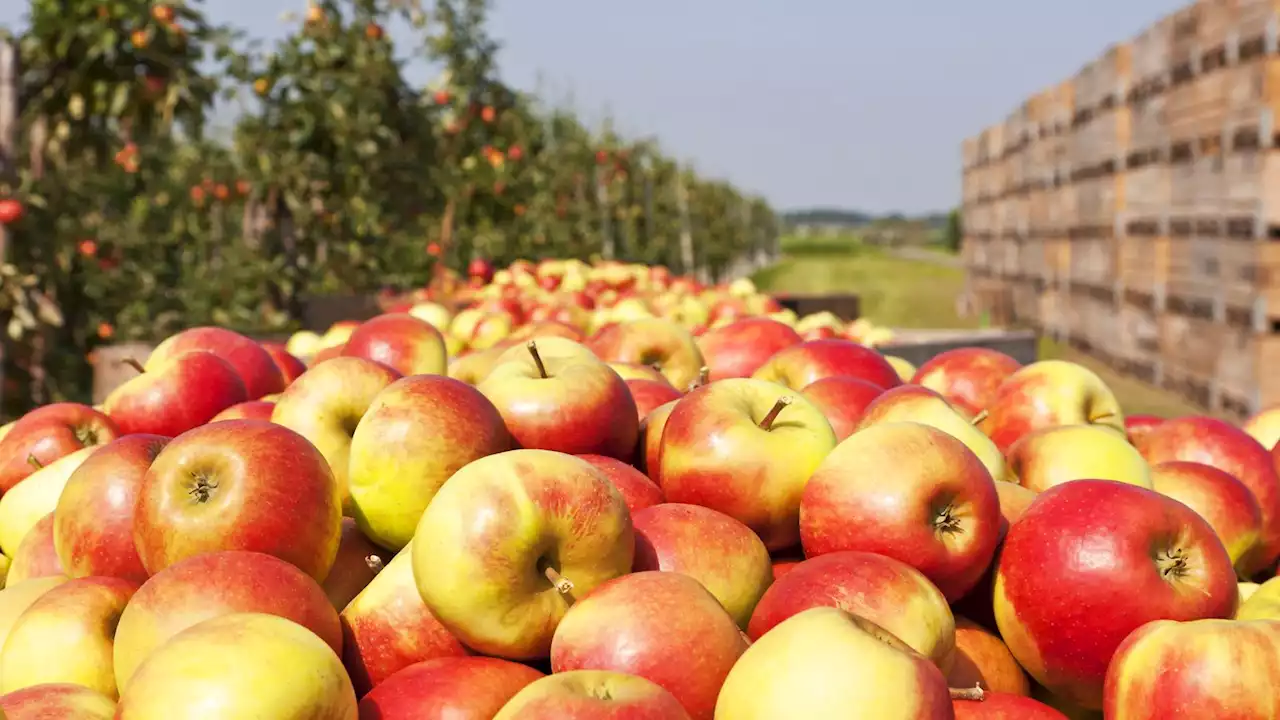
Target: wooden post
9,74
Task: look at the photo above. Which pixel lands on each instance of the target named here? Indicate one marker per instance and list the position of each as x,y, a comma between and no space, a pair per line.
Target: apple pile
632,522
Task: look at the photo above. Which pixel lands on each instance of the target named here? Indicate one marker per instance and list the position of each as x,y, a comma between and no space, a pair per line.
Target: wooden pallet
1092,261
1142,268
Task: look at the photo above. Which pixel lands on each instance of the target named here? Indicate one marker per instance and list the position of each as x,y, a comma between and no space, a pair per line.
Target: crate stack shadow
1133,211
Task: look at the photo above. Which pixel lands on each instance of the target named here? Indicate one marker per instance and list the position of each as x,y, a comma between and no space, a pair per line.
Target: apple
632,371
1219,498
638,491
842,399
472,367
982,659
824,663
649,394
802,365
66,636
415,435
1004,706
170,397
554,396
400,341
662,626
434,313
910,492
738,349
499,594
1051,456
1206,668
1247,590
48,433
23,506
1261,602
1136,427
1264,427
1217,443
246,665
36,556
463,688
592,695
251,410
325,354
654,342
649,450
892,594
15,598
967,377
724,555
1014,501
325,406
252,362
57,700
746,448
480,268
1047,394
290,366
913,403
215,584
387,627
93,518
1148,557
239,485
357,563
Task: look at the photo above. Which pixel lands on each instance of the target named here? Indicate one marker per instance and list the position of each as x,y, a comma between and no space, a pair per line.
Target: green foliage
953,236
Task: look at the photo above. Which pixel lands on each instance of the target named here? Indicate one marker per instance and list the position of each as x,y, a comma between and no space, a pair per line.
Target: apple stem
133,363
1103,416
537,359
704,377
978,418
375,563
35,462
973,693
767,422
562,583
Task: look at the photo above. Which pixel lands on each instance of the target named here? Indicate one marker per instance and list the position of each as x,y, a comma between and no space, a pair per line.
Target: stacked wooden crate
1141,205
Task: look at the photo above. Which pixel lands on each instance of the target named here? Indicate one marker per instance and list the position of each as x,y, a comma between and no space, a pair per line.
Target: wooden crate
1038,220
1218,22
1024,295
1193,288
1104,82
1054,304
1143,268
1137,338
1146,192
1031,258
1056,253
969,153
1098,202
1226,368
1092,261
1184,42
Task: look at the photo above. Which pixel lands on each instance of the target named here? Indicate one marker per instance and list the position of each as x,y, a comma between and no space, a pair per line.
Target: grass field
912,293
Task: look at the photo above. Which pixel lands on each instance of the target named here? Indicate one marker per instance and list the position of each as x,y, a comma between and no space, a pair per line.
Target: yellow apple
36,496
1055,455
913,403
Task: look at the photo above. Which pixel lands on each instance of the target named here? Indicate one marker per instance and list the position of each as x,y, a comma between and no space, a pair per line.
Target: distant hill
854,218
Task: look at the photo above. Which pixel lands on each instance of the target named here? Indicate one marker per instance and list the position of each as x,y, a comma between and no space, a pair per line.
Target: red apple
327,353
741,347
799,366
254,365
357,563
482,269
93,522
174,395
652,341
908,491
1073,582
1047,394
592,695
633,371
649,394
1219,498
387,627
1014,501
746,448
660,626
638,491
457,688
1004,706
721,553
239,485
252,410
290,365
36,556
57,701
967,377
983,660
649,450
555,396
1213,442
889,593
1136,427
212,585
400,341
842,399
783,566
48,433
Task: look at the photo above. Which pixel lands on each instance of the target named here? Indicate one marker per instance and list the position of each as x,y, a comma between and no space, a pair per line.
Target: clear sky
842,103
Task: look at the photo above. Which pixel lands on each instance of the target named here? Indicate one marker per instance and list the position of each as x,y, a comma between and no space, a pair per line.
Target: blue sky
841,103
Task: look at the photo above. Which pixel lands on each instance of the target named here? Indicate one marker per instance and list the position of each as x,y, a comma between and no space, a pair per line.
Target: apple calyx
945,521
1172,564
973,693
133,363
202,489
375,563
35,462
978,418
767,422
562,584
537,359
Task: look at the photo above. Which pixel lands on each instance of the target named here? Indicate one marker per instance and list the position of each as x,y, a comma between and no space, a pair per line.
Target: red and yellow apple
53,701
654,342
36,555
357,563
592,695
252,362
843,400
638,491
186,390
966,377
457,688
1219,498
913,403
48,433
1051,456
982,659
799,366
251,410
738,349
400,341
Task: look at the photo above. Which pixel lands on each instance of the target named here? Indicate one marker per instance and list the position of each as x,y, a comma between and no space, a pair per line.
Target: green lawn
916,294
